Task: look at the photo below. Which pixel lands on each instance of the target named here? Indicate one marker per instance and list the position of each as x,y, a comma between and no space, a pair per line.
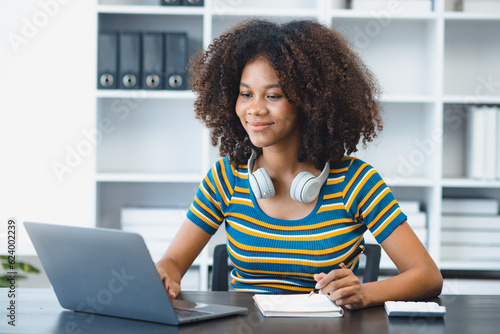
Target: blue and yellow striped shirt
275,255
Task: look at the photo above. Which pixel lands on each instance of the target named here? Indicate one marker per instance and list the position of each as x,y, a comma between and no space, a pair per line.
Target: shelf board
150,10
144,94
471,16
268,11
470,183
409,182
355,14
408,98
471,99
149,177
187,94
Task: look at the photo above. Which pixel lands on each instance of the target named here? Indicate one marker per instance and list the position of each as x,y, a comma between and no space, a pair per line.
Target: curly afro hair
319,74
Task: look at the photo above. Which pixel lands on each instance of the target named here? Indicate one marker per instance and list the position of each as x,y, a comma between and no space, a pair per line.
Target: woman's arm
419,276
187,244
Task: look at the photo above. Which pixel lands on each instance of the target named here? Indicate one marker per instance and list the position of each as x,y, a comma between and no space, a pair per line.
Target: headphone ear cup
311,190
261,184
306,187
298,190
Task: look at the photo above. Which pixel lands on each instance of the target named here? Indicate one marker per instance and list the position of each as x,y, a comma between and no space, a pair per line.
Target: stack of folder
142,60
470,229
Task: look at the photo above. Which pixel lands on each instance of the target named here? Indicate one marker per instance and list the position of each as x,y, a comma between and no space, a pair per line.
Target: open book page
297,305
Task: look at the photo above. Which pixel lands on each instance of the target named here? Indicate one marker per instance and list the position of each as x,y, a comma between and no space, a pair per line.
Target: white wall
47,71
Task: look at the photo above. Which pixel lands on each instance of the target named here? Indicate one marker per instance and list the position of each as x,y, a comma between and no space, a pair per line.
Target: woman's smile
259,126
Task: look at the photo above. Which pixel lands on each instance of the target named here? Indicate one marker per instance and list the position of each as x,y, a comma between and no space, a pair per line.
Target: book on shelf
297,305
470,206
490,147
417,219
498,145
470,222
139,215
470,238
157,225
409,206
470,253
391,6
478,6
482,147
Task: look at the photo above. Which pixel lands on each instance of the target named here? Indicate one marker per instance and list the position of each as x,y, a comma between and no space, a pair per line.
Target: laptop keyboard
183,313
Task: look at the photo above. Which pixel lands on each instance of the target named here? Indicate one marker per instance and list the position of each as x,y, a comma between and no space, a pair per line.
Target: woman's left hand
343,287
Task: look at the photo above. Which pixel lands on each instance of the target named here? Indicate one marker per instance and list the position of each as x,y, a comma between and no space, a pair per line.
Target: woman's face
265,113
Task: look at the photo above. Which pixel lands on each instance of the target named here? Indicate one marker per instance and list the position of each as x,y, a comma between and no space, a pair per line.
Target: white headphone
305,187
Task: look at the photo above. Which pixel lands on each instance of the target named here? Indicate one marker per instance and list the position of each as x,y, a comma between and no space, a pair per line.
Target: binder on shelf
490,145
107,46
129,60
481,142
192,2
170,2
498,144
152,61
176,60
475,142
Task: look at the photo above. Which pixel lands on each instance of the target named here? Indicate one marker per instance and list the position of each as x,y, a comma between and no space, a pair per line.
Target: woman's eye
245,95
273,97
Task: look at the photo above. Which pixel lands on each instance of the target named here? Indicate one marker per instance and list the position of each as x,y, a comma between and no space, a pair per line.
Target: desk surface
37,311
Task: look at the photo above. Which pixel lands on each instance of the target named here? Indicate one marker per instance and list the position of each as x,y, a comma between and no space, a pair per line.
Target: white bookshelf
427,63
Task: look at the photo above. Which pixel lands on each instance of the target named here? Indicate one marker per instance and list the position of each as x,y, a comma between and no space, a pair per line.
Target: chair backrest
369,265
221,269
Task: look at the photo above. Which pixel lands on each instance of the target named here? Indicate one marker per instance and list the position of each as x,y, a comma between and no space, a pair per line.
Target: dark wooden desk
37,311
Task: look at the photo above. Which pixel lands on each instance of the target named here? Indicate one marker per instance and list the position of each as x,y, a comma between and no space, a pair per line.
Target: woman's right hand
173,288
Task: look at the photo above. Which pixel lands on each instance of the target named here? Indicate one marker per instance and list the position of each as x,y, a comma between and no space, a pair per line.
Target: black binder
176,49
192,2
129,60
152,60
107,60
170,2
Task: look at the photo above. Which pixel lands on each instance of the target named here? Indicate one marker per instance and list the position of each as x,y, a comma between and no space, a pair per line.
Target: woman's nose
256,107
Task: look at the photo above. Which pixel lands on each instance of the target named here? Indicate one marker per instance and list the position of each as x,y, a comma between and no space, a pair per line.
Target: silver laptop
110,272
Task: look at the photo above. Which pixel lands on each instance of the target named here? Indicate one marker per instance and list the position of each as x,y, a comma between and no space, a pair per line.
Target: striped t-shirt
275,255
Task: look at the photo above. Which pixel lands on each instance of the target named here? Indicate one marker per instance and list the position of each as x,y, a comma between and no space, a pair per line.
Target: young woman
287,104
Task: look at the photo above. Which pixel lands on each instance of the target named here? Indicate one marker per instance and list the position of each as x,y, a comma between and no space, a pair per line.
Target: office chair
368,270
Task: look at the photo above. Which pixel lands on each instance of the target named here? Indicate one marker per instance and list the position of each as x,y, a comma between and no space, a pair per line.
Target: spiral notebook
297,305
